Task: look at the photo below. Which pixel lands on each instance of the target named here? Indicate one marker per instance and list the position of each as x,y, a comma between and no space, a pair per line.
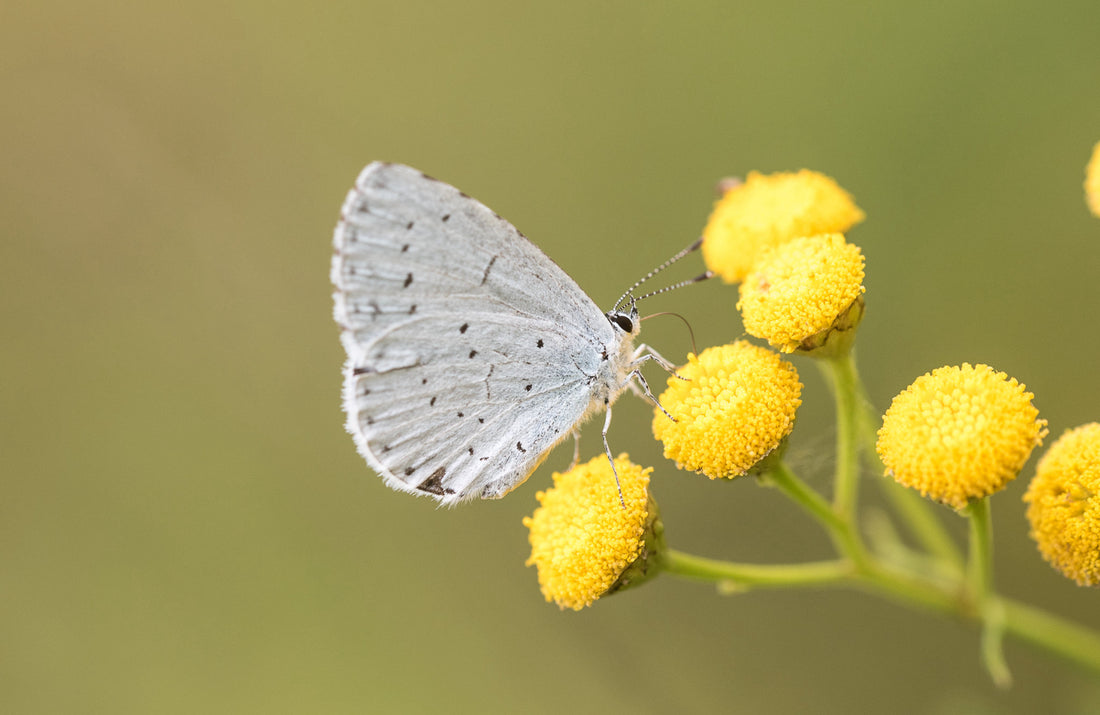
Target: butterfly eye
623,321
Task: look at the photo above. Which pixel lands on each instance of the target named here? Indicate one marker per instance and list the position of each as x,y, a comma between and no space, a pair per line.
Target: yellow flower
1092,181
769,210
584,543
736,408
959,433
1064,505
803,292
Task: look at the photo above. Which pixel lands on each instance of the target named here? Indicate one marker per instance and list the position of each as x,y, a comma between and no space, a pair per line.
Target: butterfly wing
470,353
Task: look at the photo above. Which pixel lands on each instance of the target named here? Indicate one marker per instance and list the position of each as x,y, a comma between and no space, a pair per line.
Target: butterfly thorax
617,356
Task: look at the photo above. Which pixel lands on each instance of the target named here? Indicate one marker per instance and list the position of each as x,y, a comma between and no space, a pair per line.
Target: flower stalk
840,372
980,581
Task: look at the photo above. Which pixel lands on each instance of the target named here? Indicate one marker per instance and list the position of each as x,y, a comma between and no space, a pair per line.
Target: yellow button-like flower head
1092,181
1064,505
959,433
735,408
584,543
803,293
768,210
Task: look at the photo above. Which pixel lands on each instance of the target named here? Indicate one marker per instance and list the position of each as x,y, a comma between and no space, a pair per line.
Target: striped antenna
690,249
705,275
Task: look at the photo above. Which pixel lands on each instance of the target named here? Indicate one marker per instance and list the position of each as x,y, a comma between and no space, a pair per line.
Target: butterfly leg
576,449
641,354
607,449
635,389
636,374
645,352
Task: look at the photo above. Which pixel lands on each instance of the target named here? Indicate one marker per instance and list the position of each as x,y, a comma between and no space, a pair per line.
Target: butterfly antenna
705,275
690,249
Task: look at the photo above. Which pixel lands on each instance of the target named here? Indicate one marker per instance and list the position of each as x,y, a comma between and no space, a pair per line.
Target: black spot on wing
446,218
408,280
519,446
434,483
464,327
539,343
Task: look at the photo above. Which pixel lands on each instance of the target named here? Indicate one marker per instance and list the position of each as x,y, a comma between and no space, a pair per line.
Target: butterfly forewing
470,352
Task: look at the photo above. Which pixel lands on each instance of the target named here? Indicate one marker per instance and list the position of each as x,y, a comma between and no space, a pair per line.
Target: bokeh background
185,526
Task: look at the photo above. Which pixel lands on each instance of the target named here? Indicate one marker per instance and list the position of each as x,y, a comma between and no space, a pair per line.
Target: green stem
813,503
840,372
1072,642
746,575
980,586
908,589
993,652
980,567
843,534
901,587
1068,640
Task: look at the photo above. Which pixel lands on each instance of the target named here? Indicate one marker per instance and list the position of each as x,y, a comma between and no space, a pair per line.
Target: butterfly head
626,322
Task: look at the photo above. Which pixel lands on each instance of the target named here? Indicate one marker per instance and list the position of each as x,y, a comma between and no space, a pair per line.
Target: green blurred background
185,526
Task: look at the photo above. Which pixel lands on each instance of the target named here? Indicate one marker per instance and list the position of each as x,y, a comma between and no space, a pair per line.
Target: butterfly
470,353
